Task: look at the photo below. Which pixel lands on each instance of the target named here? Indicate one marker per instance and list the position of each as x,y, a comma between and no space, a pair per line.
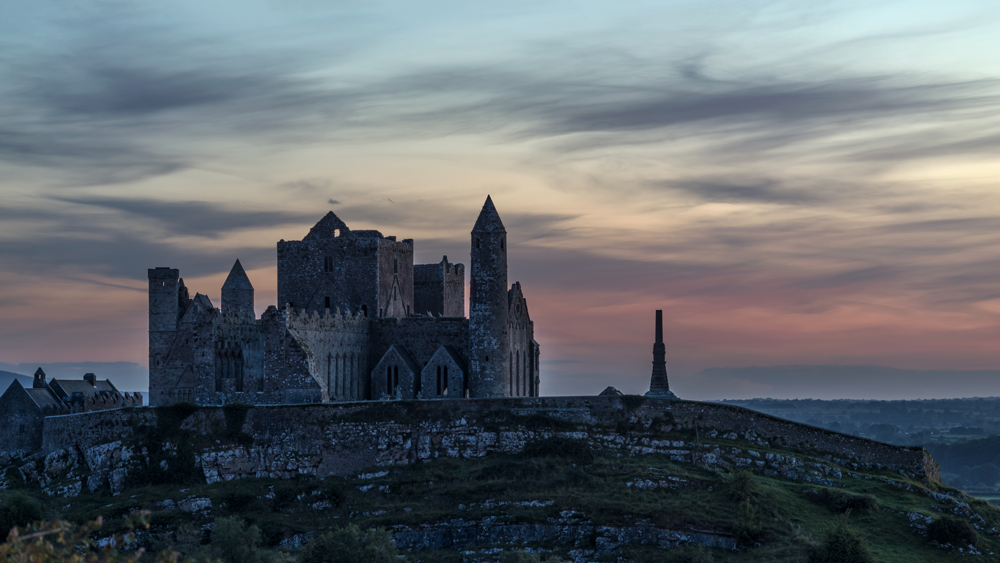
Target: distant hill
8,377
837,382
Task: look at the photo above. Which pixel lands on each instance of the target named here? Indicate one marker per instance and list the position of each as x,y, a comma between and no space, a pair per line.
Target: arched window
439,386
388,380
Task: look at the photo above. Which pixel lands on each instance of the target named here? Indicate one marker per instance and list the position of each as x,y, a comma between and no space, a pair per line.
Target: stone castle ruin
357,320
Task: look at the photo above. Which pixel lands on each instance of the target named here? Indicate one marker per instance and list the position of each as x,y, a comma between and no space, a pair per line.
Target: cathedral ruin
357,320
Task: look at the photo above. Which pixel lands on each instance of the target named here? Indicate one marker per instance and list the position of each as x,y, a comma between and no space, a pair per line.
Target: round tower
489,341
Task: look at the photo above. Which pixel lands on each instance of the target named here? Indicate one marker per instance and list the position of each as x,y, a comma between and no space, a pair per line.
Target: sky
792,182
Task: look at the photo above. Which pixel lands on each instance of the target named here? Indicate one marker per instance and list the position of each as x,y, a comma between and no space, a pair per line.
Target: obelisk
658,384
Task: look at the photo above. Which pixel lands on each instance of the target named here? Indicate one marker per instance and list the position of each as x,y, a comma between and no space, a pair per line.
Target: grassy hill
560,498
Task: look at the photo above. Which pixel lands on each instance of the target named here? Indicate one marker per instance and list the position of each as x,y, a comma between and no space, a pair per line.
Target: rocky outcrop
96,450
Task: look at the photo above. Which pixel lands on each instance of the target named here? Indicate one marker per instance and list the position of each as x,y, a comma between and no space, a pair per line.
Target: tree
351,545
234,541
842,545
62,542
17,509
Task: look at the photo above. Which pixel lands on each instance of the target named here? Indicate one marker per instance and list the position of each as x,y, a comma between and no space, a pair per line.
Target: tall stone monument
658,384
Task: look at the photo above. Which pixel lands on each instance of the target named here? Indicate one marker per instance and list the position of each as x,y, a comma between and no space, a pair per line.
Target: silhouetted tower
489,341
39,381
237,293
168,299
658,384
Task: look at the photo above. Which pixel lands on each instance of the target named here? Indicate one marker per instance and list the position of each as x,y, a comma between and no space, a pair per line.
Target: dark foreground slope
607,482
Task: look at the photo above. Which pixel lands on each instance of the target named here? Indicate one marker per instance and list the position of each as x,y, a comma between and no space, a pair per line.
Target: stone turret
237,293
489,339
658,384
39,381
168,299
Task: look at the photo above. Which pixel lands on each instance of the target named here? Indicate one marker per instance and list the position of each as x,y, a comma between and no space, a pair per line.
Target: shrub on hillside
233,541
842,501
742,484
351,545
842,545
59,542
17,509
954,531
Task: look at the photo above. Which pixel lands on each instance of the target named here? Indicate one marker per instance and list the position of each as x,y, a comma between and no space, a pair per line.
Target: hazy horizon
880,383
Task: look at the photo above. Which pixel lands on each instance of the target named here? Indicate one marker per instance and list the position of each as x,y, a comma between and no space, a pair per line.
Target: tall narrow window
326,302
439,380
517,360
388,380
445,372
501,242
364,310
395,265
328,263
395,377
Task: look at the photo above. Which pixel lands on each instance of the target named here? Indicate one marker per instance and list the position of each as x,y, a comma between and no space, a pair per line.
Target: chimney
91,379
39,379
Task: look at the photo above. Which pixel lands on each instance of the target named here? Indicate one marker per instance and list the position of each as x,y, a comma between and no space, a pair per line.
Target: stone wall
439,289
337,349
20,421
340,439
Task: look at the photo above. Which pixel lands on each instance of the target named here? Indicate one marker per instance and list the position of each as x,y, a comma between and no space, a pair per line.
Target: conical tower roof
489,220
327,228
237,278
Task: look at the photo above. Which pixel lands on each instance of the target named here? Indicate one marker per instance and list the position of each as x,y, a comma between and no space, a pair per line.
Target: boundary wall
341,438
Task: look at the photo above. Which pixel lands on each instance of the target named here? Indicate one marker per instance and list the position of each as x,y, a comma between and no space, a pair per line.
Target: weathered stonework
346,438
344,299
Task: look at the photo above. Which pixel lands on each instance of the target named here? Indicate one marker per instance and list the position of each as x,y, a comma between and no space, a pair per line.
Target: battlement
301,319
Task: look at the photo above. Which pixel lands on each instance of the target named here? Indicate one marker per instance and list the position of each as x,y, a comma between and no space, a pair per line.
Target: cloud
734,190
194,218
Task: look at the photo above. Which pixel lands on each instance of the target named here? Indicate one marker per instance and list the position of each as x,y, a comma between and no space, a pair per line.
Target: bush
841,545
953,531
842,501
18,509
59,542
742,484
748,529
233,541
351,545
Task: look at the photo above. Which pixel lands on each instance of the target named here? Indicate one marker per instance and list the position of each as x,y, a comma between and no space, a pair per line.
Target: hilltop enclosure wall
339,439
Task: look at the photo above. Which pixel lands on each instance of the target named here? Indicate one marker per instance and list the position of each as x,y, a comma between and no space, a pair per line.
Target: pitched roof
72,386
489,220
405,356
237,278
455,357
45,398
327,227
